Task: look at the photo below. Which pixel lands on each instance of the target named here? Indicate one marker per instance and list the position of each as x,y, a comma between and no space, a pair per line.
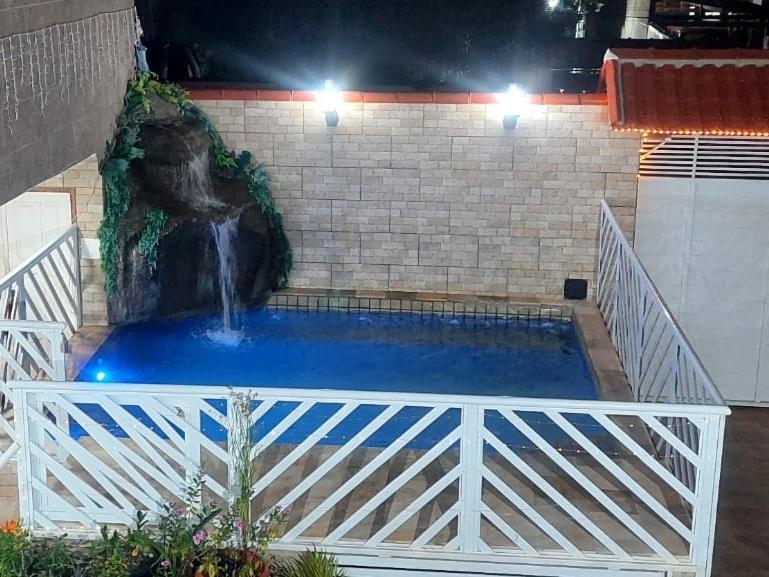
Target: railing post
58,359
24,460
21,299
471,479
706,503
78,284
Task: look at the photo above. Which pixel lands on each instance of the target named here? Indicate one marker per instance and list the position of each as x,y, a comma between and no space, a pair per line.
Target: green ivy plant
125,147
155,221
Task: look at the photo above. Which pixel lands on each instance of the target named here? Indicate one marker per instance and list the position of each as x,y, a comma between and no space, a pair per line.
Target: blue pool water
371,351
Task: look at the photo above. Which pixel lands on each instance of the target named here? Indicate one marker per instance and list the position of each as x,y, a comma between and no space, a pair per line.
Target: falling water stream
196,182
225,234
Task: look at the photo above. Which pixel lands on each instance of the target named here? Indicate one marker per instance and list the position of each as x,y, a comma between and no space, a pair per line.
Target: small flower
238,524
199,537
178,512
165,563
11,527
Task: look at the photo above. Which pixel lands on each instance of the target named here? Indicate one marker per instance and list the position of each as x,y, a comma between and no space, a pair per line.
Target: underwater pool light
100,376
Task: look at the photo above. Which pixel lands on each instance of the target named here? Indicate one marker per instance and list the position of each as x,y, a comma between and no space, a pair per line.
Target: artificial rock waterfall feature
218,243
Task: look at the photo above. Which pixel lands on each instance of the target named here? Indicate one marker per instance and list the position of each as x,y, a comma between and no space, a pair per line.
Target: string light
61,58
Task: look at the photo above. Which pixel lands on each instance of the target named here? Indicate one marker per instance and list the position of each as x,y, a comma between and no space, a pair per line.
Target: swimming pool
371,351
348,350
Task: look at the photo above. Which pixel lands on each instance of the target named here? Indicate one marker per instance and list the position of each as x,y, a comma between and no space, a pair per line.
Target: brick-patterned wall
438,197
84,178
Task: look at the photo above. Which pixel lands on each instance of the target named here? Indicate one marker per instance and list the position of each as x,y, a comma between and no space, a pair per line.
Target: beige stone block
422,152
302,149
369,151
305,213
363,276
419,217
389,184
448,250
393,119
262,146
390,248
273,117
508,253
418,278
310,275
332,183
295,241
360,216
477,281
285,181
484,219
331,247
481,153
454,119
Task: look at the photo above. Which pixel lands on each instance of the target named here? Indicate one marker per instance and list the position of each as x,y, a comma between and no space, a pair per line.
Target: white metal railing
40,306
46,286
451,481
660,363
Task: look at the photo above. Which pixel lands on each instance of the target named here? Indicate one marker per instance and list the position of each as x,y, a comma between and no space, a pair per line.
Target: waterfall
225,235
196,182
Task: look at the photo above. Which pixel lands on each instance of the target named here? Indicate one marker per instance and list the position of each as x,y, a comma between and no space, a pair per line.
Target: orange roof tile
688,91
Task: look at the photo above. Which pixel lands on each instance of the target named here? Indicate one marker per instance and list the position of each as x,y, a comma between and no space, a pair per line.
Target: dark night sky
475,45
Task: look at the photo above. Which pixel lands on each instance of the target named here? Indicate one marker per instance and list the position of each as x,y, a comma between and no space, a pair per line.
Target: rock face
177,175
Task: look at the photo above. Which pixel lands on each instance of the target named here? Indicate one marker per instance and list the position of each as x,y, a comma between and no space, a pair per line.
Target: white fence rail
40,306
660,364
457,480
46,287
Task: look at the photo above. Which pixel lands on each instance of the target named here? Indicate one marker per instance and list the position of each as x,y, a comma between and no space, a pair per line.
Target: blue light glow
100,376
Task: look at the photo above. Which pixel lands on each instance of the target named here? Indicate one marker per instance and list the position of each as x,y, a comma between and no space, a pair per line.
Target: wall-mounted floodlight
330,100
512,102
553,4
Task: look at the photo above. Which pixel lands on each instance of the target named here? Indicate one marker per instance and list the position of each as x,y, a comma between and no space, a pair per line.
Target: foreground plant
242,540
182,542
119,554
311,563
20,556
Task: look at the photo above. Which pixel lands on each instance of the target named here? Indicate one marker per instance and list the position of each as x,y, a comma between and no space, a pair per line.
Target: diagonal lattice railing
40,306
454,479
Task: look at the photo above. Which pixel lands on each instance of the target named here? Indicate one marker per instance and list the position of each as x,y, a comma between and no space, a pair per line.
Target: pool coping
602,358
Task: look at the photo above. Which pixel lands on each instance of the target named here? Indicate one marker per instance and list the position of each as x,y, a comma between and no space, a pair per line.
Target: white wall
28,222
705,244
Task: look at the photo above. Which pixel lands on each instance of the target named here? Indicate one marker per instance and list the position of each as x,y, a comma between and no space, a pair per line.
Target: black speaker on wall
575,289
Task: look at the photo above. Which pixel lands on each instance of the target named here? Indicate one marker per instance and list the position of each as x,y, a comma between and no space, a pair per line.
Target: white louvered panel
705,157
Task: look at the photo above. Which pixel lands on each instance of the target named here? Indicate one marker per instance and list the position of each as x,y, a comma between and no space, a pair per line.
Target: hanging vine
155,221
120,152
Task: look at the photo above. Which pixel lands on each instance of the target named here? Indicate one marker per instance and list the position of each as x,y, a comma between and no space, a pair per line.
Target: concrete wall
705,244
438,197
63,70
85,180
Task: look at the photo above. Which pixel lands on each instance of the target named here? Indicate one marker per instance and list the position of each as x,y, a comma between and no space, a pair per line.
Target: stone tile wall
84,178
439,197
